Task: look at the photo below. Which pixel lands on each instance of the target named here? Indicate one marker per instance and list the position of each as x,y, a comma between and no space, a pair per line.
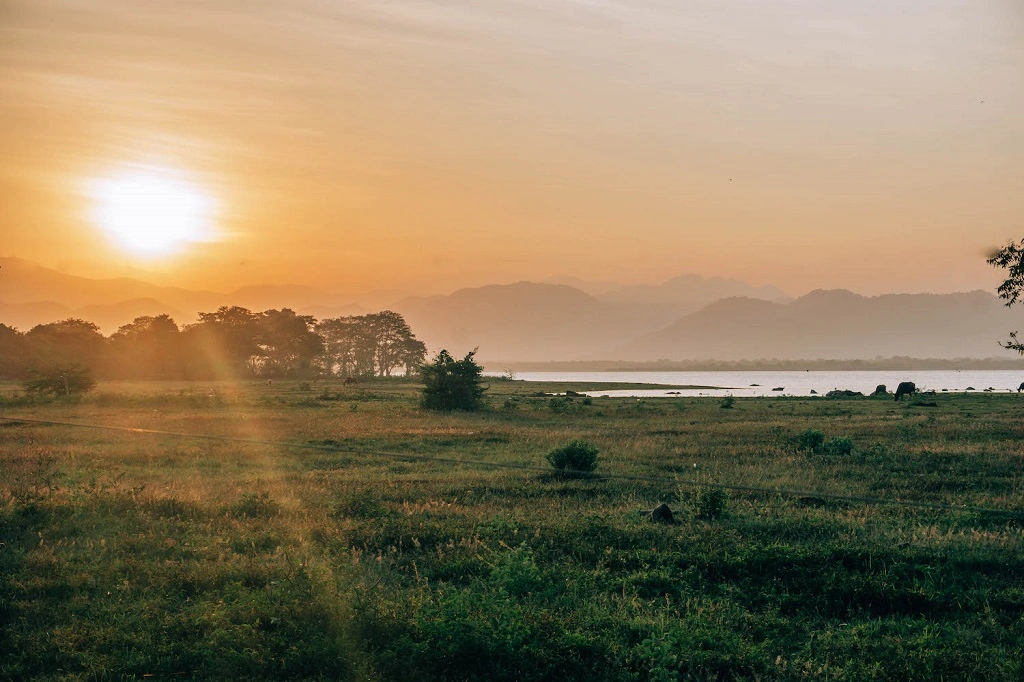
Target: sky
404,144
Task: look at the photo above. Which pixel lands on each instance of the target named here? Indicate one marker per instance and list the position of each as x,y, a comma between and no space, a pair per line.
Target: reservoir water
754,383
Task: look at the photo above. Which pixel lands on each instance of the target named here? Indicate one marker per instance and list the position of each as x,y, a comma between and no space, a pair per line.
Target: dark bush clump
839,446
710,503
62,380
450,384
810,440
574,458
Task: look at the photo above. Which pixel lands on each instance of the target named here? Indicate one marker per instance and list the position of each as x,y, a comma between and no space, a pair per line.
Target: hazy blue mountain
693,290
22,281
110,317
24,316
276,296
525,320
529,321
836,324
31,294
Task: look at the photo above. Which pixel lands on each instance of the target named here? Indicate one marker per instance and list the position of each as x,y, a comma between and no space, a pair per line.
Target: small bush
810,440
727,403
560,405
574,458
841,446
516,573
62,380
710,503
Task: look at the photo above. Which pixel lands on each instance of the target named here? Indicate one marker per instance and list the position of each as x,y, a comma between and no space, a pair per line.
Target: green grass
126,555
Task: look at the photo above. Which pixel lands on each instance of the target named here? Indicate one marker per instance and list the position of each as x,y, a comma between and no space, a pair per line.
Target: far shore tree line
231,342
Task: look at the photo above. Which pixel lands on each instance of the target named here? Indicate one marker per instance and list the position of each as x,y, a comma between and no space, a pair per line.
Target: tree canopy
1011,259
229,342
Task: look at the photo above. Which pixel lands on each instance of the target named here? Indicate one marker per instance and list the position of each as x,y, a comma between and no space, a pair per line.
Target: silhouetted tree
1011,259
287,343
224,342
450,384
413,353
232,341
65,343
392,341
147,348
369,345
14,353
340,336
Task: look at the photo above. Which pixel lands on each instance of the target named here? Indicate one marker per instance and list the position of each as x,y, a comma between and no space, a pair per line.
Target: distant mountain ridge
695,290
31,294
530,321
836,324
24,282
525,319
688,318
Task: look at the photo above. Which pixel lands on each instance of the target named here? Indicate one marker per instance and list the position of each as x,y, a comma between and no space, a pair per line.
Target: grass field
126,555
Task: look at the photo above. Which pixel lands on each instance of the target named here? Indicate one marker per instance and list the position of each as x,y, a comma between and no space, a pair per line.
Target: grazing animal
905,388
349,381
1020,388
880,390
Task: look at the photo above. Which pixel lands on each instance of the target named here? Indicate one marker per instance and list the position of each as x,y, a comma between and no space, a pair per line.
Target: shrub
62,380
574,458
516,572
710,503
450,384
727,402
839,446
810,440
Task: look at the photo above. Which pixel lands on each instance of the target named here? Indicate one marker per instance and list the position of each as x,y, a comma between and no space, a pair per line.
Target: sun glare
152,211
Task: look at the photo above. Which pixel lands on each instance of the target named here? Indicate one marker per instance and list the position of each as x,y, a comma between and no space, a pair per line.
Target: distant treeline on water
231,342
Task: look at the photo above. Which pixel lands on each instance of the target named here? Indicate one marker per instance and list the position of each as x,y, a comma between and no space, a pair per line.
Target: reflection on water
792,383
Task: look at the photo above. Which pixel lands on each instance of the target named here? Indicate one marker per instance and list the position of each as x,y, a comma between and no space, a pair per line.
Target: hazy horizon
429,146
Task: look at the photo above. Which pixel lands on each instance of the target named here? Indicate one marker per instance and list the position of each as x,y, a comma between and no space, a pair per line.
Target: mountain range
686,318
836,324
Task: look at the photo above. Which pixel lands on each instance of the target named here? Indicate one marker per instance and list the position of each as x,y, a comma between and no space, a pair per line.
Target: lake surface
793,383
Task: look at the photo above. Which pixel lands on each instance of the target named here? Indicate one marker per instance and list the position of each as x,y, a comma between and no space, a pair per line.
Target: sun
152,211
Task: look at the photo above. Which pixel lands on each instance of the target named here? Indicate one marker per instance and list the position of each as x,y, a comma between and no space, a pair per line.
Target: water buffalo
905,388
1020,388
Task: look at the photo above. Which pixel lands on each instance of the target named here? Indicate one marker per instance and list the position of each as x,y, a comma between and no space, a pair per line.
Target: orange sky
873,145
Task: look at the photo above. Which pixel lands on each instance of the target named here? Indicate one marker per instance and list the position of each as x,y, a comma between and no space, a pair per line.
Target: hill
835,324
523,320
